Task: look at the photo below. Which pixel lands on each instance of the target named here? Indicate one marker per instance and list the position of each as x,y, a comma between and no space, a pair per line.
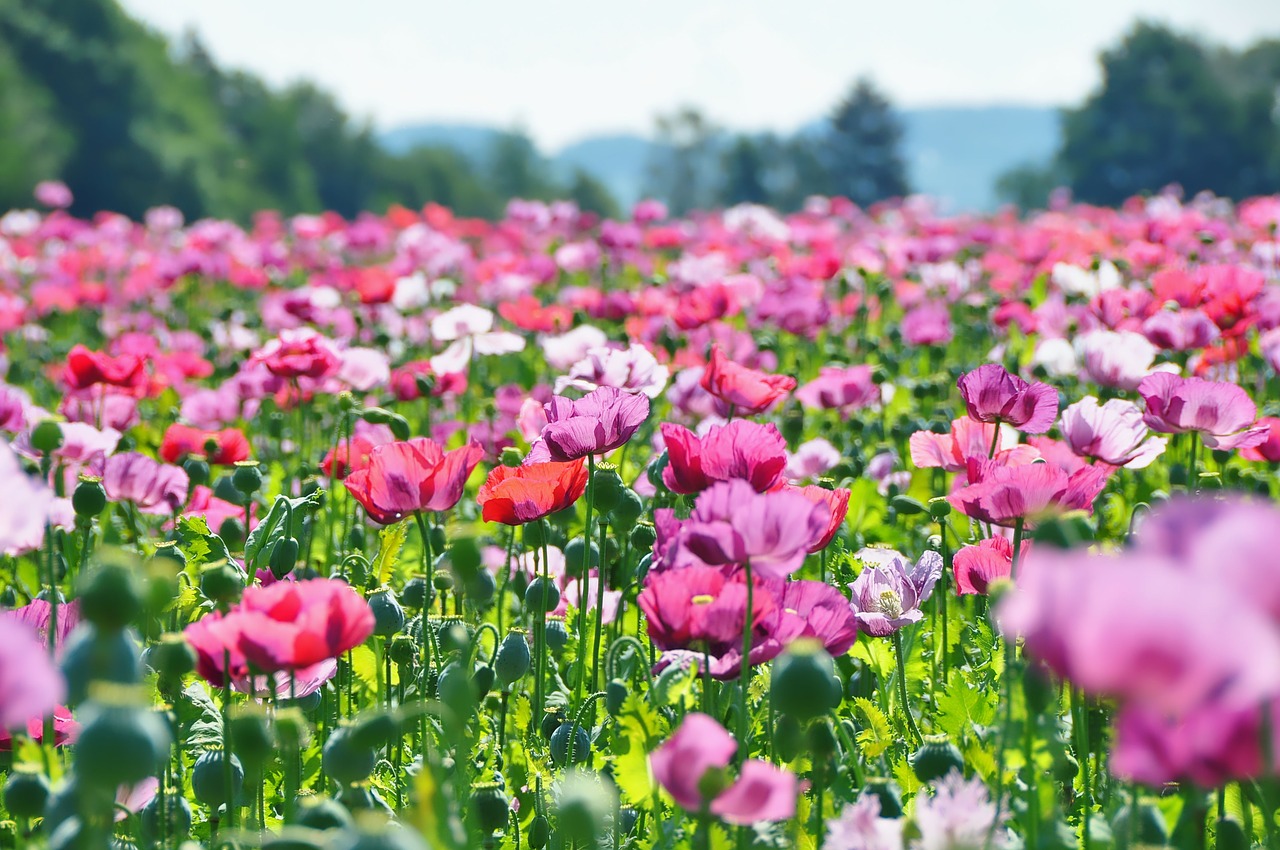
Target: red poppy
86,368
514,495
836,502
411,476
747,391
527,313
221,448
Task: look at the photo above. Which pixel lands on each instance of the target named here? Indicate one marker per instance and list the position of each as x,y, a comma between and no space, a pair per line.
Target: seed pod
89,498
26,792
557,634
512,660
284,557
490,806
209,779
110,597
247,478
643,536
388,616
887,792
539,832
345,760
936,758
788,738
46,437
542,596
804,681
566,734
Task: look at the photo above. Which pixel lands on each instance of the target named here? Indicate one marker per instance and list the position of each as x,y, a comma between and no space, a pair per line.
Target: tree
591,195
743,165
862,153
1029,185
682,167
1171,111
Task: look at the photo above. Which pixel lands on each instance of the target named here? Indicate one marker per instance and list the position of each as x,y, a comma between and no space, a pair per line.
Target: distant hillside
953,153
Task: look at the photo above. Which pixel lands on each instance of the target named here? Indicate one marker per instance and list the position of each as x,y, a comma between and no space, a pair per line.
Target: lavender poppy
152,487
1221,412
1112,432
888,593
960,813
993,395
599,422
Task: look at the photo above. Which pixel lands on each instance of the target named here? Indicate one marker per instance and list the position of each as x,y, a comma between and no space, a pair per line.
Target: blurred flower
860,827
53,193
746,391
87,368
299,353
812,459
403,478
1180,330
700,746
601,421
993,395
1113,433
843,388
1269,449
1221,412
977,566
633,369
741,449
959,815
836,504
152,487
1117,359
888,593
1004,494
26,508
221,448
568,348
515,495
30,686
928,324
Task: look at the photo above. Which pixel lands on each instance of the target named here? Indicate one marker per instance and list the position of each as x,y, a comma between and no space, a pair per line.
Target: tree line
131,120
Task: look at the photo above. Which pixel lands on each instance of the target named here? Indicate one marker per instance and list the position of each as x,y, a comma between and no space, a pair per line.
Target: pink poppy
1113,432
746,391
152,487
403,478
741,449
601,421
1268,451
1221,412
1003,495
993,395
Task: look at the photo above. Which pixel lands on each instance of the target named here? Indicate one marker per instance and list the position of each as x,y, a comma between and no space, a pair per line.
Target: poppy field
844,529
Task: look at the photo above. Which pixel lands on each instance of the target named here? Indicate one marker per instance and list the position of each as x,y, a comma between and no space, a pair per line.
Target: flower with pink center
993,395
1113,432
1005,494
1222,413
741,449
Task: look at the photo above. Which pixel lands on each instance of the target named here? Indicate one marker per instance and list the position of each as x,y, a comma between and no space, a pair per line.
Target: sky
565,69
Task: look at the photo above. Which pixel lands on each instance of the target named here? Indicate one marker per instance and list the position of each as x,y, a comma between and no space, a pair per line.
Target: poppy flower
993,395
632,369
978,566
221,448
403,478
836,503
152,487
699,608
601,421
86,368
889,592
30,686
741,449
349,455
1004,494
966,439
1269,449
700,746
299,353
842,388
1112,432
515,495
746,391
1221,412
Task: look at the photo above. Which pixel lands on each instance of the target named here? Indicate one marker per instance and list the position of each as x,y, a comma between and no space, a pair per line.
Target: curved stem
902,688
620,642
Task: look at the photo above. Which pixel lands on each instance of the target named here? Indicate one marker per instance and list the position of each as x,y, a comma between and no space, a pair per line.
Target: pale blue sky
564,69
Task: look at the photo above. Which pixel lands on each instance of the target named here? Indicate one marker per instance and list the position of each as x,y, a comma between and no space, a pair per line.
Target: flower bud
655,470
284,557
120,743
566,737
788,738
456,689
511,456
606,488
171,657
541,596
179,816
822,739
630,508
615,694
939,507
539,832
222,583
535,535
557,635
643,536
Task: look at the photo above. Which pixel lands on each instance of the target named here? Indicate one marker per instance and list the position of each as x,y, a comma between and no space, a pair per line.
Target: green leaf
199,544
878,736
257,548
390,542
639,730
961,707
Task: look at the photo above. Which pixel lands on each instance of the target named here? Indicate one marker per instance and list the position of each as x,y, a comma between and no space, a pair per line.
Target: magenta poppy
1222,413
1005,494
993,395
152,487
601,421
745,391
404,478
741,449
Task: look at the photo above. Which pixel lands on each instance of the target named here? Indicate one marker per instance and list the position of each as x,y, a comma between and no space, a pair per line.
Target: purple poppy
1221,412
888,593
599,422
30,686
993,395
153,487
1112,432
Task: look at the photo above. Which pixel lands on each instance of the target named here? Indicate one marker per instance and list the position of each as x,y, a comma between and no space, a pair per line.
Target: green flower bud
120,743
171,657
222,584
788,738
606,488
388,616
111,596
1151,827
566,737
539,832
655,469
512,660
344,760
615,694
541,596
822,739
630,508
284,557
247,477
511,456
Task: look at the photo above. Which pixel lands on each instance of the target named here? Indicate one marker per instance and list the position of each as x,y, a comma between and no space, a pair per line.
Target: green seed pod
417,594
119,744
481,587
542,596
46,437
89,498
576,557
557,635
232,532
388,616
375,730
197,469
907,506
566,734
325,814
606,489
822,739
252,741
26,792
1151,828
887,792
489,805
804,681
483,680
442,580
403,650
247,478
456,689
453,637
209,779
222,584
96,656
630,508
939,507
344,760
511,456
179,814
111,597
512,660
788,738
936,758
643,536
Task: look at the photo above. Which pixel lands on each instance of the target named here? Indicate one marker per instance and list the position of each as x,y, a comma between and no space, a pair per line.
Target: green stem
595,655
586,569
744,676
902,688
